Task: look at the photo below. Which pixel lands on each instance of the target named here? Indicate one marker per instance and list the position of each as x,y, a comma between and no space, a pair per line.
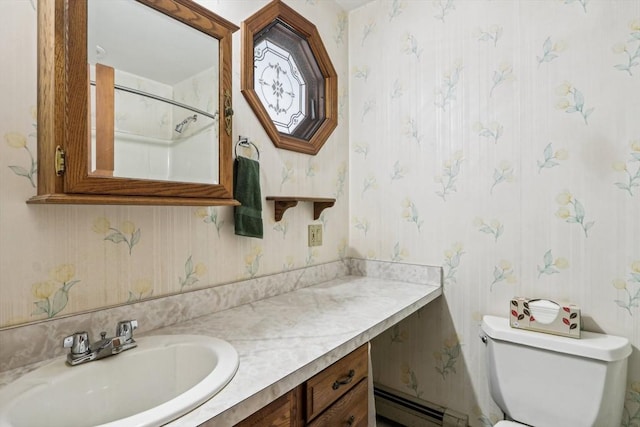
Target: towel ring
244,141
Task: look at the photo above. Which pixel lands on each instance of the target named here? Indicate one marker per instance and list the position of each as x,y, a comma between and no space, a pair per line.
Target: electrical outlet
315,235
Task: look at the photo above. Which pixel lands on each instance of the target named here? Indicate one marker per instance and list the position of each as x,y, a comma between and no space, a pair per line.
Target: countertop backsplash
32,343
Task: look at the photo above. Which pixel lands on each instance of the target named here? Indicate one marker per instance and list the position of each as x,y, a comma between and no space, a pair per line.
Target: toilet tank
552,381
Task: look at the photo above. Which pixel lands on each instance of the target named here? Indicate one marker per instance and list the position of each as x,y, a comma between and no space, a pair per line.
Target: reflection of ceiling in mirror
132,37
280,86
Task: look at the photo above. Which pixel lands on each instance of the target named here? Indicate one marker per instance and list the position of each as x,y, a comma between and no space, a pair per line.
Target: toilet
544,380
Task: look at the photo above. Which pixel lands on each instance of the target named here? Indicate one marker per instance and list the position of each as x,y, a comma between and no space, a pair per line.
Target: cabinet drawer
336,380
350,411
282,412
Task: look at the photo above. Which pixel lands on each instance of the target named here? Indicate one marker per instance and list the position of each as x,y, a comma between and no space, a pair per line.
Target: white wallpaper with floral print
503,138
60,260
497,138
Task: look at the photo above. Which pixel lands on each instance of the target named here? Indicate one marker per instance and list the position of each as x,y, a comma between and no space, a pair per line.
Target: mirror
147,121
134,103
288,79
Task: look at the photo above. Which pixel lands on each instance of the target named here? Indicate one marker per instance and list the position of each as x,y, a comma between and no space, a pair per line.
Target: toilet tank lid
590,344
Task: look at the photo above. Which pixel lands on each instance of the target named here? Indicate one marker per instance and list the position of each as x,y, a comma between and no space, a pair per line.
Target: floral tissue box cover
545,316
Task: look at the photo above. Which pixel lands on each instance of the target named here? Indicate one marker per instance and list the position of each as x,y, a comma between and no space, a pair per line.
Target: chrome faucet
82,351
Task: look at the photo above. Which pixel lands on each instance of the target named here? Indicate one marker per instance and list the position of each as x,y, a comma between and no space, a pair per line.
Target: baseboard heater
412,412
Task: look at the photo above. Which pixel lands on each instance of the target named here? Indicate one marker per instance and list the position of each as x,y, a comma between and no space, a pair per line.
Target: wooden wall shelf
282,203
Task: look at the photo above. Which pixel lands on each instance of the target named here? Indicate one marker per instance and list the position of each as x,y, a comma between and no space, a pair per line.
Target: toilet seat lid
508,424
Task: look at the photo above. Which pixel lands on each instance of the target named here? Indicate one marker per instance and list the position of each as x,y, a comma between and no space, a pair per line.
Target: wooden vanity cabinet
337,396
339,393
282,412
350,410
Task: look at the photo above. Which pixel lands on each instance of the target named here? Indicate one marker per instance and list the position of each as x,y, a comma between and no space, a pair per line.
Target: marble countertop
284,340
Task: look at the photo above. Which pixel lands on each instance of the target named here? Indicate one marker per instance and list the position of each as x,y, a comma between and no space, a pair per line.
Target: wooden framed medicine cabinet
76,168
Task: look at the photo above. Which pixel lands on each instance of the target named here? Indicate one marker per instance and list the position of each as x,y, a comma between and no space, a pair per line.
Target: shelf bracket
318,207
281,204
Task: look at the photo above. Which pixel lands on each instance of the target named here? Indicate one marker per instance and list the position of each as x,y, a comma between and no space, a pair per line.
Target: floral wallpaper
59,260
499,139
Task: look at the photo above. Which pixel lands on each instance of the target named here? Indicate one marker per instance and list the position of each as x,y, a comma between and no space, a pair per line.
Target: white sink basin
163,378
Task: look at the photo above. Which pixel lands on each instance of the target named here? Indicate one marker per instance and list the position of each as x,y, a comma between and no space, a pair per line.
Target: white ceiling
349,5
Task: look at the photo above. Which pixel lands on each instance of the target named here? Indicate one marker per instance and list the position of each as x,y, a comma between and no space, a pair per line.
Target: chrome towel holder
244,142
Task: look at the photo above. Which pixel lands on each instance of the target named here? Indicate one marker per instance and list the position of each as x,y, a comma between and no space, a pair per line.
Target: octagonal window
288,79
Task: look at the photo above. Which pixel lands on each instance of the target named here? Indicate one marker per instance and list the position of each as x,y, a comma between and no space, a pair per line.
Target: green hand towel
246,190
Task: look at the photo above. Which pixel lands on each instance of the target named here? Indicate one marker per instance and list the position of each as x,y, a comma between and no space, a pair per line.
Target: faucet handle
125,329
78,343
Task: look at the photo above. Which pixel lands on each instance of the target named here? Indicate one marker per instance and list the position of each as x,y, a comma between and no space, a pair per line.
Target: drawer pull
351,420
345,380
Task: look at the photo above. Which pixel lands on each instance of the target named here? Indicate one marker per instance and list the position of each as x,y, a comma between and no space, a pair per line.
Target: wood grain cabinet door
349,411
335,381
282,412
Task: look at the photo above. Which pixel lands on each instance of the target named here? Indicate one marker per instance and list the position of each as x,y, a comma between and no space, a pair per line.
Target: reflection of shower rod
162,99
180,127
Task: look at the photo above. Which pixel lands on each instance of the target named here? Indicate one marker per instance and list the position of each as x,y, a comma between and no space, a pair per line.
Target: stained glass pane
280,86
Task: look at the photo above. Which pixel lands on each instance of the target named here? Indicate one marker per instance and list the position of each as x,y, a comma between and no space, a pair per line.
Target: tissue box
545,316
